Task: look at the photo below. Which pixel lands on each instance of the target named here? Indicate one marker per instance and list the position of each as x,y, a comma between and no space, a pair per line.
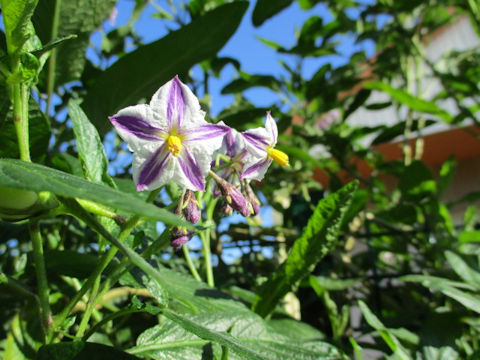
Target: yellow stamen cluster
278,156
174,144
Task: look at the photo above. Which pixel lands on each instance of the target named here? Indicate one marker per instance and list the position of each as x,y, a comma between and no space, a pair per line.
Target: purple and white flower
260,143
170,138
234,149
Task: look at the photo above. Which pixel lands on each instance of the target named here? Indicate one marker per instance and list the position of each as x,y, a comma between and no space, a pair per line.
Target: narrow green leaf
439,353
385,333
464,271
265,9
469,300
413,102
28,176
16,19
331,284
139,74
435,282
469,236
89,145
318,238
357,348
79,350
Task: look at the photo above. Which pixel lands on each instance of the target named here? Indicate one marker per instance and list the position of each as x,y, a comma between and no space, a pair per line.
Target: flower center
174,144
278,156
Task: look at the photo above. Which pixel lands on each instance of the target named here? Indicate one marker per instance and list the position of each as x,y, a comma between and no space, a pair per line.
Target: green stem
89,308
205,236
20,119
52,61
42,283
190,264
104,261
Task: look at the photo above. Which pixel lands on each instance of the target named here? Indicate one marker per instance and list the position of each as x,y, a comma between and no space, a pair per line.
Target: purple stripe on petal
153,167
205,132
273,127
230,143
176,104
256,167
257,141
136,126
191,170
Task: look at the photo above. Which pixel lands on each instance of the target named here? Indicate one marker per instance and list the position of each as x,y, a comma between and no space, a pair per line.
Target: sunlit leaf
318,238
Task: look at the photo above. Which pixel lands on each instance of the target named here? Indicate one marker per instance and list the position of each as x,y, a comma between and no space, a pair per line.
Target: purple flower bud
226,209
191,211
232,195
179,237
252,198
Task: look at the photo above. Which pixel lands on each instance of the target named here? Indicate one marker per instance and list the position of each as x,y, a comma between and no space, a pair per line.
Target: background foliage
375,268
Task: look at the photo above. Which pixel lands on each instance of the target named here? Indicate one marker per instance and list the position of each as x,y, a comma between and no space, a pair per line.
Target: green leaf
89,145
303,155
385,333
435,281
76,17
446,174
391,132
468,300
295,329
265,9
439,353
318,238
464,271
331,284
39,134
16,19
70,263
195,296
469,236
413,102
416,181
79,350
28,176
138,74
248,81
246,334
244,118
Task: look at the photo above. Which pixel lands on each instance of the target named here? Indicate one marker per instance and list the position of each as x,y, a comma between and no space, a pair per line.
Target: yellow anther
278,156
174,144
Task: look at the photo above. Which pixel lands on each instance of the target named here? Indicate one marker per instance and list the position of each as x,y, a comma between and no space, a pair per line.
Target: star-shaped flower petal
260,143
170,138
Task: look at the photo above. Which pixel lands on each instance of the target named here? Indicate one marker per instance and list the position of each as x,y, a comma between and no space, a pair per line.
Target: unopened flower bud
192,210
232,195
252,198
179,237
226,209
